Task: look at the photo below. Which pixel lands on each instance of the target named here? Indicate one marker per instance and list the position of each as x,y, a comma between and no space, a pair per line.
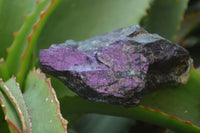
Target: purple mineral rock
119,66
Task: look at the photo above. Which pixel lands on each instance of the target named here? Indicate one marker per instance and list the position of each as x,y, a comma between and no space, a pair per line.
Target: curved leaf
45,108
12,90
26,57
23,113
17,48
95,123
10,22
179,102
164,17
19,54
11,115
189,25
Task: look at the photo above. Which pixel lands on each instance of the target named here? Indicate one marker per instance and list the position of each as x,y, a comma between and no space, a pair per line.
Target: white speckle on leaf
46,99
51,100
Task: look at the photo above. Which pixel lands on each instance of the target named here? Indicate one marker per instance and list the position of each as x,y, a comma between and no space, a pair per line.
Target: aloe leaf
10,22
13,92
19,54
177,110
79,105
190,21
37,27
3,69
23,109
181,102
189,25
45,108
11,115
164,17
17,48
78,20
96,123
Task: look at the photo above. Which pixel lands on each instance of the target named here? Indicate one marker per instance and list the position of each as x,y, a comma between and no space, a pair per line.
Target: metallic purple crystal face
117,67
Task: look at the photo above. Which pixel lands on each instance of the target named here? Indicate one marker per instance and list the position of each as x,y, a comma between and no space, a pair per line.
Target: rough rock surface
119,66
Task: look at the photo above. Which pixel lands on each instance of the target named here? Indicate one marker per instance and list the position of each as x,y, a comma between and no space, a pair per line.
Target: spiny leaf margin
14,124
39,87
12,90
37,28
19,53
79,105
164,17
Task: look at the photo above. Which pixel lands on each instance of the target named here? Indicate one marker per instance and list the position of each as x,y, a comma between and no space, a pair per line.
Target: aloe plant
34,102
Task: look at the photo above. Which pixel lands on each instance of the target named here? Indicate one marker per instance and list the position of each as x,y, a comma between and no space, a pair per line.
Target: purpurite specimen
119,66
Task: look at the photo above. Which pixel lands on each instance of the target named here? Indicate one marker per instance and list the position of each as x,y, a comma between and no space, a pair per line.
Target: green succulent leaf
37,27
190,24
20,52
12,91
45,108
12,18
164,17
18,46
11,116
175,108
96,123
181,102
23,114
